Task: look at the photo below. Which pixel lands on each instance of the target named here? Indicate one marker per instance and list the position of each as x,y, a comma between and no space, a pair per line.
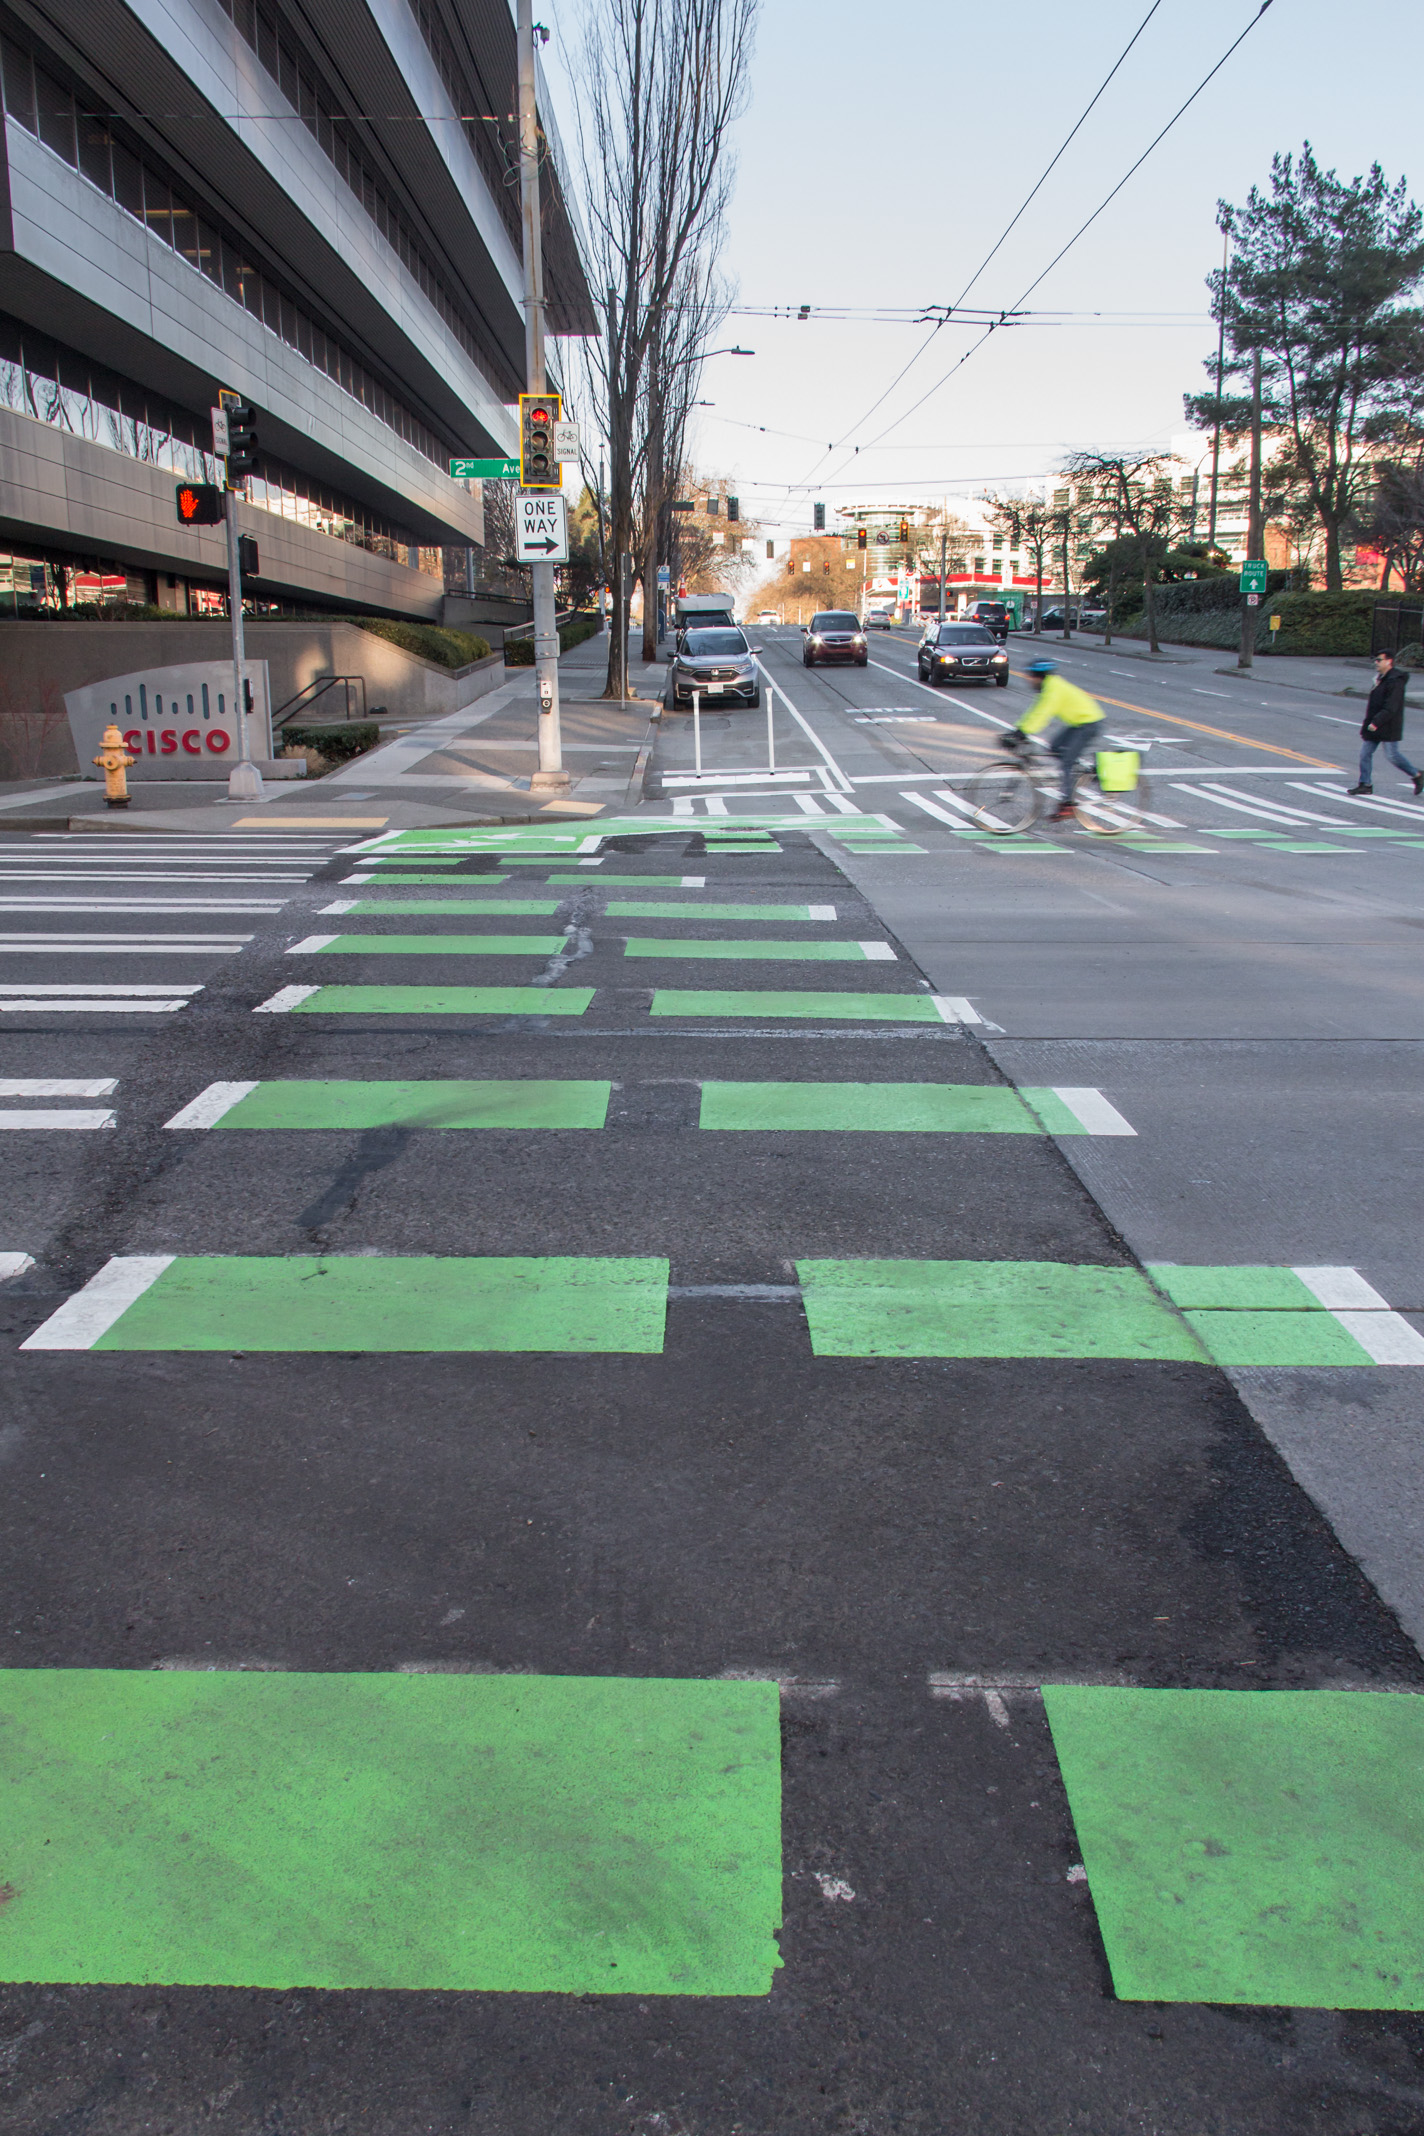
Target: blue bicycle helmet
1043,667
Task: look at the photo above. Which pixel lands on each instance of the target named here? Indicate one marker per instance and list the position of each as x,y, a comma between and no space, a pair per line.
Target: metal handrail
307,696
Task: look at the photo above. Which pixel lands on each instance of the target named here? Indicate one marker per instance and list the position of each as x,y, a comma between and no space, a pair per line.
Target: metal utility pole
1220,374
551,775
1255,532
244,781
943,563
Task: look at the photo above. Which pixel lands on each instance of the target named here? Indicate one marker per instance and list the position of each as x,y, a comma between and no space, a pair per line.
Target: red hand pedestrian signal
199,504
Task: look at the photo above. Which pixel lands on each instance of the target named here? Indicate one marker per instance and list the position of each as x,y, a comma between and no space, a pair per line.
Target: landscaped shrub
519,652
1319,624
338,744
432,641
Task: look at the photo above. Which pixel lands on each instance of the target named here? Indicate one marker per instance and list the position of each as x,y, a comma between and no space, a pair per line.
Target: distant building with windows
313,203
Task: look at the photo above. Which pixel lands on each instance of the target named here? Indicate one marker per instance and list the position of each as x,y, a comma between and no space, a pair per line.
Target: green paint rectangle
1299,845
464,945
988,1309
1053,1113
768,952
512,1105
631,909
1246,1289
385,1304
515,1834
1251,1846
1276,1338
445,1001
851,1008
880,1108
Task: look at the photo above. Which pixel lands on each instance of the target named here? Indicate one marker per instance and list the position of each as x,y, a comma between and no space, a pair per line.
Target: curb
643,763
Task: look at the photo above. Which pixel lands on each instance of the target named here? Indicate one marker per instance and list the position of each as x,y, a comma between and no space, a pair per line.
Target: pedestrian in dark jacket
1384,724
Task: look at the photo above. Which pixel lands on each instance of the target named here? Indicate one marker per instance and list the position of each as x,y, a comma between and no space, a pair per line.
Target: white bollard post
770,730
697,731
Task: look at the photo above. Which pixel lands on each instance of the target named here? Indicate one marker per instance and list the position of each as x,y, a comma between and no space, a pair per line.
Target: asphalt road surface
636,1498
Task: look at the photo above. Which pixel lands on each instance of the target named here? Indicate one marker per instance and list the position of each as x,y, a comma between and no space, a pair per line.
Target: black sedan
835,634
718,664
962,652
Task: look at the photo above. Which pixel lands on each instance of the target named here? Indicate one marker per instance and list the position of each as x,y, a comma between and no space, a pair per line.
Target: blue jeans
1392,750
1068,745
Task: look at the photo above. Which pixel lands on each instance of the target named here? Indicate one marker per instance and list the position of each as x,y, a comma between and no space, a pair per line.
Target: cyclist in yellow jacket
1080,724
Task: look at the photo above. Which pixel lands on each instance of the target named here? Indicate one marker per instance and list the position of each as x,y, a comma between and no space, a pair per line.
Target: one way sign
541,529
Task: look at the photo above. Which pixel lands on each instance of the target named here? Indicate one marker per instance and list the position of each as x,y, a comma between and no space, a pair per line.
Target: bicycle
1013,796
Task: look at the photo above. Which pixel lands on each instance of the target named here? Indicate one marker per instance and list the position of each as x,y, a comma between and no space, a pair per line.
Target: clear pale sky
886,148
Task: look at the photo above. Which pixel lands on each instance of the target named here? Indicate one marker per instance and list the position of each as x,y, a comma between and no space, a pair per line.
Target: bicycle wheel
1111,814
1003,798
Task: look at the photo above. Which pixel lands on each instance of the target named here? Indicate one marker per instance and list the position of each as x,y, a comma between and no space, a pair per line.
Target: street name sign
484,470
1253,577
541,528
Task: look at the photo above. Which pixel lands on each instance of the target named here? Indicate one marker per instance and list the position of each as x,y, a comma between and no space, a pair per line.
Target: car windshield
965,634
714,644
835,621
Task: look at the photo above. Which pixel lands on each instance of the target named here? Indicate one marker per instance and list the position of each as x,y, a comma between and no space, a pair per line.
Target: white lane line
37,1118
1283,808
1092,1110
210,1105
30,1006
960,704
1389,808
820,912
954,1009
139,904
46,1086
1242,808
14,1264
844,804
1342,1289
343,904
682,806
310,944
715,805
286,997
1386,1338
90,993
941,814
119,945
1223,694
808,804
998,1711
105,1298
878,953
811,735
694,882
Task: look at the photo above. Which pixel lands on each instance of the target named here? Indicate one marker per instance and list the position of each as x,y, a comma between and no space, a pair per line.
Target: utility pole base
549,782
244,783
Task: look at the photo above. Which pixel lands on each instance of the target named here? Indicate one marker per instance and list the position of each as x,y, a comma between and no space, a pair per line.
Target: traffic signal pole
244,781
551,776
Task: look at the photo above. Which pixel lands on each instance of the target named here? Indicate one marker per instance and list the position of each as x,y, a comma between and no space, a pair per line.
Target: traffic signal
819,518
904,530
199,504
861,537
247,562
770,551
241,442
538,413
714,506
734,507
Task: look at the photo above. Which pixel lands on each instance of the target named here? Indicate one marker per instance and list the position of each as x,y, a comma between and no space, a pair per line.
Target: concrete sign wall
178,721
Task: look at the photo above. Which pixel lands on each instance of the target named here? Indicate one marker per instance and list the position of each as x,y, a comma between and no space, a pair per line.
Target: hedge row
1325,625
337,744
519,652
432,641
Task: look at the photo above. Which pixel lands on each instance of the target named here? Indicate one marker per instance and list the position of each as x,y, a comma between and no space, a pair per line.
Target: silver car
717,662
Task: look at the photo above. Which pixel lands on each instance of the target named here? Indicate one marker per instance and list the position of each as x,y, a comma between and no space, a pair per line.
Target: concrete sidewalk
1351,676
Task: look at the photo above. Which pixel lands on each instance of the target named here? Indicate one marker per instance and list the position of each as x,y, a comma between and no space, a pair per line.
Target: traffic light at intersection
538,467
241,442
904,530
734,508
818,519
861,537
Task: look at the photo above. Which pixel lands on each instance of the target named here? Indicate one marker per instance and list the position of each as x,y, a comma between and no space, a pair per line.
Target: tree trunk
1112,596
1067,613
1038,596
1334,581
1150,591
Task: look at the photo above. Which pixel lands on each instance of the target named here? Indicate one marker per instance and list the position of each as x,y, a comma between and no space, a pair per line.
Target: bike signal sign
541,529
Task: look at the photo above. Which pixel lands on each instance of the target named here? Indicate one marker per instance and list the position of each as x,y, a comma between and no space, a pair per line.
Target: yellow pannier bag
1117,770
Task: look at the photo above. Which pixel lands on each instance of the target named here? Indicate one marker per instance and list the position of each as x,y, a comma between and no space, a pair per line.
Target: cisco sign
178,721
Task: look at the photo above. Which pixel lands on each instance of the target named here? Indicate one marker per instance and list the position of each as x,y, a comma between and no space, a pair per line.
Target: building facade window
55,385
270,36
87,144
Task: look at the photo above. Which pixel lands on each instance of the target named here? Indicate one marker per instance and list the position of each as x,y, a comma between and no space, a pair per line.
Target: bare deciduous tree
663,81
1136,495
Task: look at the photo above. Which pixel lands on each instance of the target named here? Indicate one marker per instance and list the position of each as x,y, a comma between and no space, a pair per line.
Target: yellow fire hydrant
114,760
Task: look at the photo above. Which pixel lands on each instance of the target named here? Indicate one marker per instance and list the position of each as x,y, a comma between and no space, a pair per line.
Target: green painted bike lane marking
1258,1316
1251,1846
445,1001
514,1105
383,1304
524,1834
462,945
635,909
521,907
850,1008
766,952
989,1309
874,1108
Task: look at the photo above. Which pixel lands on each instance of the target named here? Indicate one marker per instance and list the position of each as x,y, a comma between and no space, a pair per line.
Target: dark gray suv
716,662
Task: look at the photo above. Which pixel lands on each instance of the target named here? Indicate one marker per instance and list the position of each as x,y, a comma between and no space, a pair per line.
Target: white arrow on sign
541,529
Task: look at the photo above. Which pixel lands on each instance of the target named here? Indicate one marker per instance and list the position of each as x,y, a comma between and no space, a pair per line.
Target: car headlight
1001,659
858,639
815,637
